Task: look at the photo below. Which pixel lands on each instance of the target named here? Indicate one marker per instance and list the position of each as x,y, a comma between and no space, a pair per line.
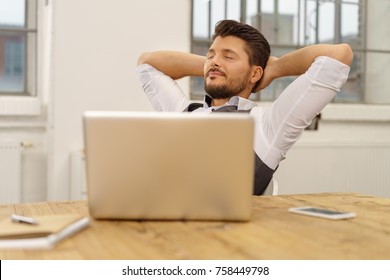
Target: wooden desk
273,233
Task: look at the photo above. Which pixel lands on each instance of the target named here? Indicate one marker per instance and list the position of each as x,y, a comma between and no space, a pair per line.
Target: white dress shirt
277,127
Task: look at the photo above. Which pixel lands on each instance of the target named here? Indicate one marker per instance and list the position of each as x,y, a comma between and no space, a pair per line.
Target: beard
221,91
228,89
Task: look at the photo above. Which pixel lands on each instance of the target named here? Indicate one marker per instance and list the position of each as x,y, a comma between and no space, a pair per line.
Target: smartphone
322,213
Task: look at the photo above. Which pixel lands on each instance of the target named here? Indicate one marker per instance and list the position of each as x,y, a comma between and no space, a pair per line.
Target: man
239,63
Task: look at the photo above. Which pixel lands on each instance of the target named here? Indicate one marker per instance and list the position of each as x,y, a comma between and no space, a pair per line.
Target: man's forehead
228,44
225,50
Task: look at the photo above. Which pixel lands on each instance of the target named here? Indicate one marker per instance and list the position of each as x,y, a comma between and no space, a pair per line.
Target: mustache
215,70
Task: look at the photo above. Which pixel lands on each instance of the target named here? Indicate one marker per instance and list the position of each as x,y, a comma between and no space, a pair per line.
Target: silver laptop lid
149,165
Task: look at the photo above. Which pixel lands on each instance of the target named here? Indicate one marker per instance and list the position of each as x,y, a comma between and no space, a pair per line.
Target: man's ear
257,74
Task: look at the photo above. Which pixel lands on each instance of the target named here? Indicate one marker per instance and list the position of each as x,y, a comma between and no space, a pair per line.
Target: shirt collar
241,103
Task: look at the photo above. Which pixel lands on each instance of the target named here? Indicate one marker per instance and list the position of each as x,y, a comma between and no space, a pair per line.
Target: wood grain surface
272,233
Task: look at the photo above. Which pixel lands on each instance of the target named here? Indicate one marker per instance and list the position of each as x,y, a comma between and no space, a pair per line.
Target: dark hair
258,47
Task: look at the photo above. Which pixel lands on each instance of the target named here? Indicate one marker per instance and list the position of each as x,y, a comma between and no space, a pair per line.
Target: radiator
10,171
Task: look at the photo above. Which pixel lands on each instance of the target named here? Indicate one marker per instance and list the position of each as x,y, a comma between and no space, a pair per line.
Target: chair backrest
272,188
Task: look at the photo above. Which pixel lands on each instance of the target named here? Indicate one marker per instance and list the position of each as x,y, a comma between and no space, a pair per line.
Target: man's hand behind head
269,74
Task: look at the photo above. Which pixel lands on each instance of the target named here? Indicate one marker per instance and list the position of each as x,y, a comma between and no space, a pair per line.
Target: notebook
169,166
49,230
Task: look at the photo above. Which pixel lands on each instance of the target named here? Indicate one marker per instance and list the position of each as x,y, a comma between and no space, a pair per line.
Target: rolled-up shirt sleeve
280,125
163,92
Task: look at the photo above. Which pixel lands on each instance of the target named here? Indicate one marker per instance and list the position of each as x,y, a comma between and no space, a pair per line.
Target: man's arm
174,64
299,61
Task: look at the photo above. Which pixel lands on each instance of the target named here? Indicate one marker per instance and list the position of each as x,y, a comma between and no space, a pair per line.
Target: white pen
23,219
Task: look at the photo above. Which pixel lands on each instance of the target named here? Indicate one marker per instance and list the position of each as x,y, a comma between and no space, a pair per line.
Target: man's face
227,72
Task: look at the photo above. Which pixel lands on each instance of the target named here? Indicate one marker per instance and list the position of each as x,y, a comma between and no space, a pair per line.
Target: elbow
143,58
345,54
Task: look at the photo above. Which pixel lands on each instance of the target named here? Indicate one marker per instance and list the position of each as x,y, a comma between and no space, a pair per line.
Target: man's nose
215,61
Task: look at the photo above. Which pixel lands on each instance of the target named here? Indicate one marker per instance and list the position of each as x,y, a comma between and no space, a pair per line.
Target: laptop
169,166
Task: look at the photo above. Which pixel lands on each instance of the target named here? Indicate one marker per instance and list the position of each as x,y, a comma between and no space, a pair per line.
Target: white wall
95,45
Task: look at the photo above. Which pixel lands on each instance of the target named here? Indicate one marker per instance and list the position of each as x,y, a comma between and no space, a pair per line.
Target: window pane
233,9
12,13
200,19
350,24
217,13
12,62
279,21
351,1
267,6
287,24
326,23
17,47
251,12
310,22
267,20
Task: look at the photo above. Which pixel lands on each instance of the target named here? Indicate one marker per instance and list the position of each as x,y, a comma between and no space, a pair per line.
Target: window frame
30,34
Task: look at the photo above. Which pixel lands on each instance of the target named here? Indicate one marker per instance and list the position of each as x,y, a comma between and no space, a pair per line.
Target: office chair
272,188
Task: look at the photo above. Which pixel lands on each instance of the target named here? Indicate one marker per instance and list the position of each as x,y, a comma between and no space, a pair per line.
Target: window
18,47
292,24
